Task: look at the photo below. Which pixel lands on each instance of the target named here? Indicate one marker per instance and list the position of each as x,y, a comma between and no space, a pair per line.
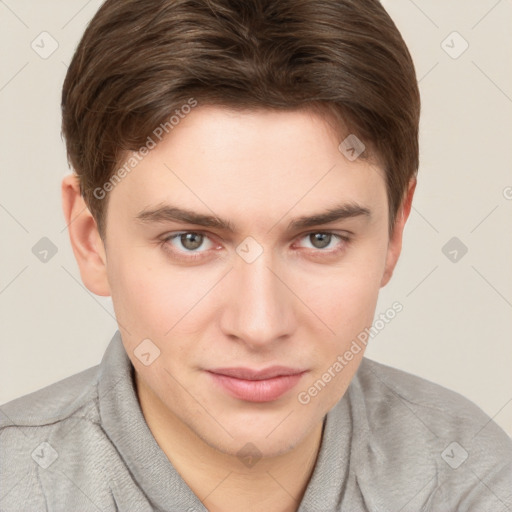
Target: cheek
345,297
156,300
145,296
347,307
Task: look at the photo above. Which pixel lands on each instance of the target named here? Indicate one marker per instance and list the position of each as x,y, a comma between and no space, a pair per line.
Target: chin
256,446
267,437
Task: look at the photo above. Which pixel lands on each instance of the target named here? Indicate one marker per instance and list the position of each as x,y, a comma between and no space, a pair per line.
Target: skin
298,304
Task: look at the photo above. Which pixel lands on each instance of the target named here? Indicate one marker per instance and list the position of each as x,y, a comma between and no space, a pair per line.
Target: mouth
251,385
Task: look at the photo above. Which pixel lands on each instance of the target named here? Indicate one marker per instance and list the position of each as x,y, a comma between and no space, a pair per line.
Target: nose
258,308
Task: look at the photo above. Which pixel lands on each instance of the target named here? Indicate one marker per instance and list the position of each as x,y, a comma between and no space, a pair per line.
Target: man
243,174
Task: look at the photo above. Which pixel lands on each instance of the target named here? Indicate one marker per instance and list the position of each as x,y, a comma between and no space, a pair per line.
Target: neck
220,480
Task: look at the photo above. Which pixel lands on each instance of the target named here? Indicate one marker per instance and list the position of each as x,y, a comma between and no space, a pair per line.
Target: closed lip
252,374
251,385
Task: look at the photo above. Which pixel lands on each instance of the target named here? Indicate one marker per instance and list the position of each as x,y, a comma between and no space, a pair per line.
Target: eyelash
196,255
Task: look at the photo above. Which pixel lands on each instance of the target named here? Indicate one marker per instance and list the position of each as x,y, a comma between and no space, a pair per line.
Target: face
216,252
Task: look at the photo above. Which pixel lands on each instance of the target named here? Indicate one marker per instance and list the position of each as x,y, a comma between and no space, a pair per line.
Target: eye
189,241
324,240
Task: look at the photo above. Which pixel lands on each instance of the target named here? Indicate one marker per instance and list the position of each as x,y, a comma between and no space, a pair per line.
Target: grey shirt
394,442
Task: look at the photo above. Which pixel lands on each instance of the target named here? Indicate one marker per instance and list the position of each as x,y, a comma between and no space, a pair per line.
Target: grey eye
320,240
191,241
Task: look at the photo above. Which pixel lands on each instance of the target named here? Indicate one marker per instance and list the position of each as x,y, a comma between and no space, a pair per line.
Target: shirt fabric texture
394,442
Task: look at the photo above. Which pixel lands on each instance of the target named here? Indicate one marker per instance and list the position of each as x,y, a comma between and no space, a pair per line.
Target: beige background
456,325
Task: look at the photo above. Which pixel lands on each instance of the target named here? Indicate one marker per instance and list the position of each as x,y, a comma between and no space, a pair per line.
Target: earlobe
395,242
86,242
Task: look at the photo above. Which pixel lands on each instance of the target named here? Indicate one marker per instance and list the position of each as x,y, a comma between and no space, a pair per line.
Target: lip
264,385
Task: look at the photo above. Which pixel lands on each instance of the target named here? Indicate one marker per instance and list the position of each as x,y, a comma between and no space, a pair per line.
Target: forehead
253,165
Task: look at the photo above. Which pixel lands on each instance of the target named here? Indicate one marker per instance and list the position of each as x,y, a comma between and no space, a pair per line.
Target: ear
395,241
85,239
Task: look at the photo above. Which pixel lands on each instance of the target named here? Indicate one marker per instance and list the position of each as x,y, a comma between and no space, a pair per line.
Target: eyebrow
343,211
166,213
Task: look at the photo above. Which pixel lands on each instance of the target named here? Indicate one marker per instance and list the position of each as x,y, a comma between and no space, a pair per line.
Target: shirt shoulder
56,446
431,445
43,439
51,404
444,411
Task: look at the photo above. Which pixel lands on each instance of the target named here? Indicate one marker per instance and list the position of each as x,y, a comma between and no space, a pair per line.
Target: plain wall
455,327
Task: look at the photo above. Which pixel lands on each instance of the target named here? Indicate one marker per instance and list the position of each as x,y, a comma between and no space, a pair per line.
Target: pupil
321,240
191,240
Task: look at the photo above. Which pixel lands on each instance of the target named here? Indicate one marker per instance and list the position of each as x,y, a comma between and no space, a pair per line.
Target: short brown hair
140,60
